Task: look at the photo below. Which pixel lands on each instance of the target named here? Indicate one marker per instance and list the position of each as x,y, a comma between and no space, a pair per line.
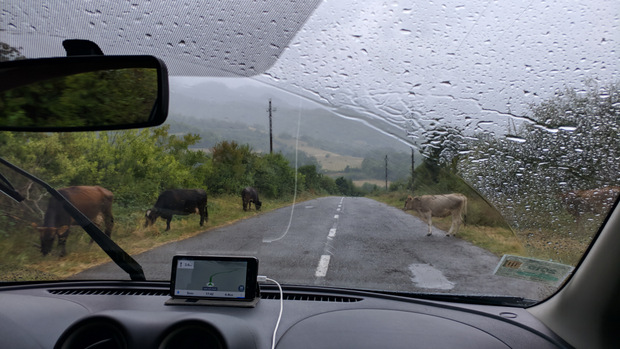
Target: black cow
179,202
94,202
249,195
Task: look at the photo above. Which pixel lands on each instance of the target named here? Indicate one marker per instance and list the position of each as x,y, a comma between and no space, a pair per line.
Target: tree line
136,165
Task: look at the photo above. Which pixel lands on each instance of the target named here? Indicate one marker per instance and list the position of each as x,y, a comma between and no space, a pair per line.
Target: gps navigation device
213,278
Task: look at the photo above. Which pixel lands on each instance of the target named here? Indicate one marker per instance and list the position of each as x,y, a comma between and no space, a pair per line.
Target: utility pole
270,130
386,173
412,170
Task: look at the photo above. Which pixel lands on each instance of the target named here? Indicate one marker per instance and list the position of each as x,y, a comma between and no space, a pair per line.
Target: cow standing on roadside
179,202
93,201
249,195
597,201
429,206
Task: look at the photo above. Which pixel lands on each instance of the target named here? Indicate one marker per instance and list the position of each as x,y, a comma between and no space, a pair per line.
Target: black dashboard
134,315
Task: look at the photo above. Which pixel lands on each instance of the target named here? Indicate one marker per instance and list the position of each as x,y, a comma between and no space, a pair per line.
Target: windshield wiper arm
115,252
7,188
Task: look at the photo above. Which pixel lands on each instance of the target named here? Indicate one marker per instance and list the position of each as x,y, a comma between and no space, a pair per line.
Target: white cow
430,206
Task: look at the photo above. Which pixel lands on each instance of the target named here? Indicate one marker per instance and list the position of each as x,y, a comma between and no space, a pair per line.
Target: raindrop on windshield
516,139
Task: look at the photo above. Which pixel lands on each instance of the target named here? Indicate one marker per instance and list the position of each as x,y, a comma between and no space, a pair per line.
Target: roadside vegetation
136,165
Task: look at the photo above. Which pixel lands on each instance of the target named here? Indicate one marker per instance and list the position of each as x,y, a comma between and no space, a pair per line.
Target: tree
134,164
442,147
232,168
317,182
274,177
441,153
346,187
570,144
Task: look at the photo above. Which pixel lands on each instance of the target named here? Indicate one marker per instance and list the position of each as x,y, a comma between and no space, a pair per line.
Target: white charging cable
261,278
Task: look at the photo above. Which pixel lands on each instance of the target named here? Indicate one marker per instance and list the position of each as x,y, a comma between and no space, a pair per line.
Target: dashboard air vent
108,292
311,297
289,296
193,334
93,333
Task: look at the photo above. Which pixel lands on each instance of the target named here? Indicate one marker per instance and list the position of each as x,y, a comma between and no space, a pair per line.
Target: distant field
329,161
378,182
337,162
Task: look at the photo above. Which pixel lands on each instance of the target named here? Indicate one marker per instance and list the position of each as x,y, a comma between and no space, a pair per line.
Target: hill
218,111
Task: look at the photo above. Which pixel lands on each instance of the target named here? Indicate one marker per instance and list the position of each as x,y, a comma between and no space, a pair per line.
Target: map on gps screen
210,278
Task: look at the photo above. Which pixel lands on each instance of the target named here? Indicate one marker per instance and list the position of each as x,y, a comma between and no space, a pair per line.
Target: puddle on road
425,276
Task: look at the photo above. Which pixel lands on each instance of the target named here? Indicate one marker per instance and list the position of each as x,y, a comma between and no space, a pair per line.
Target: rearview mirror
83,93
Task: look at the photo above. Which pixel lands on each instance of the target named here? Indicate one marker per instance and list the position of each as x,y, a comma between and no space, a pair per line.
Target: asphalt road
349,242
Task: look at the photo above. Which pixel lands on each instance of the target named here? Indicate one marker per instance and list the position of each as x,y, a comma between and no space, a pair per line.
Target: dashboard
134,315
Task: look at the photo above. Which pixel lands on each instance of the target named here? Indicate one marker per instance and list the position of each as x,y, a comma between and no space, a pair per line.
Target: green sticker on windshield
533,269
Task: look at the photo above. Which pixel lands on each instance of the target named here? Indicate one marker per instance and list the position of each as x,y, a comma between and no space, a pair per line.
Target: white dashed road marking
332,233
321,270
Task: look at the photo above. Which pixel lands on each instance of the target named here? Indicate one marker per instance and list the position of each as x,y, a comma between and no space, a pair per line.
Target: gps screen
211,278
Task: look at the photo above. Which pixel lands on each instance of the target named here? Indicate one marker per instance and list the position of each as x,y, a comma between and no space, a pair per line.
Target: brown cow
430,206
590,201
94,202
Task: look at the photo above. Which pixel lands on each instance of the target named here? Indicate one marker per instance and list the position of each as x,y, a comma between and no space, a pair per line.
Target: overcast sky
401,66
472,64
461,62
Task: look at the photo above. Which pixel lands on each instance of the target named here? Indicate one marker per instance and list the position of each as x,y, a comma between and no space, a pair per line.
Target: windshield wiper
468,299
7,188
115,252
306,290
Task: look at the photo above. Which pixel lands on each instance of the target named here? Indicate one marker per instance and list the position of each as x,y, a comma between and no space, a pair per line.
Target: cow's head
258,204
47,236
151,216
411,203
407,201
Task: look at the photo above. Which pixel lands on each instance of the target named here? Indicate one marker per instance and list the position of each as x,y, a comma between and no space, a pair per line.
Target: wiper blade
445,297
7,188
115,252
468,299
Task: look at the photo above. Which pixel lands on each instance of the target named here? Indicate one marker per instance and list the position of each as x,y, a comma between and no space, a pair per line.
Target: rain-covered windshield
467,148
